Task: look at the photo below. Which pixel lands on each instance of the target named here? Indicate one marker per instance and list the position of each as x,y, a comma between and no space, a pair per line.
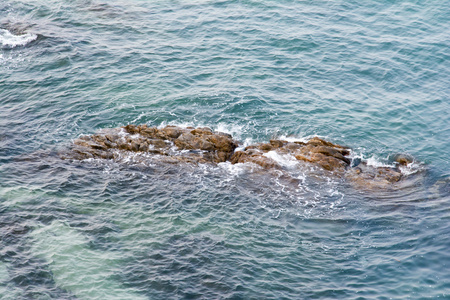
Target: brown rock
202,131
223,134
234,159
254,157
172,131
185,141
292,146
327,162
134,146
331,164
190,141
265,147
206,146
157,143
277,143
131,129
203,144
302,158
315,141
223,143
368,177
222,156
149,132
90,144
143,146
403,159
329,151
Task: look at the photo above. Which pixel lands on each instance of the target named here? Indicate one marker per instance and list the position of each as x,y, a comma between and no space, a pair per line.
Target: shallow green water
373,76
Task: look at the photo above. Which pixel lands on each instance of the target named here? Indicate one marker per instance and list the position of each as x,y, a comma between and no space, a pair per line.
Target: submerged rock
173,144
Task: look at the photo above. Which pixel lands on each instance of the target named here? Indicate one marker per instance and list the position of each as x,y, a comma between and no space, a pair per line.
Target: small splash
358,155
235,130
7,39
411,168
233,171
284,160
377,163
293,139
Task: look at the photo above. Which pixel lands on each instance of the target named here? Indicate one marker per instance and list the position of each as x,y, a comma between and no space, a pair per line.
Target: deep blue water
372,75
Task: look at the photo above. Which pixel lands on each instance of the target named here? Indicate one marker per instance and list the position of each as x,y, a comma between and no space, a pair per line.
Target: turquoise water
373,76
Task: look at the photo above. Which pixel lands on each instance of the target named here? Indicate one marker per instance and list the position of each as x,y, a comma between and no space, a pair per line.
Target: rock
277,143
203,144
315,141
202,131
265,147
157,143
403,159
223,143
172,131
255,157
223,134
173,144
190,141
292,146
329,156
132,129
367,177
329,163
149,132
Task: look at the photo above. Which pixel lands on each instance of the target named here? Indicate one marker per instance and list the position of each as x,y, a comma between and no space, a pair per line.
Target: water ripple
373,76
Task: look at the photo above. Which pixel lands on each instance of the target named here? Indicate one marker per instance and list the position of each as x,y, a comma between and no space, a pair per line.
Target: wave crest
7,39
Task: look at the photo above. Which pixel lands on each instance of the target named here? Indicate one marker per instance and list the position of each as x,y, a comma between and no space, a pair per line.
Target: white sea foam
233,129
245,143
233,170
377,163
181,125
305,139
284,160
7,39
236,131
411,168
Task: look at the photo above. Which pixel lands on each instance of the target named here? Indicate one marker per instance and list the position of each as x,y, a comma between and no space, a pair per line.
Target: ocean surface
371,75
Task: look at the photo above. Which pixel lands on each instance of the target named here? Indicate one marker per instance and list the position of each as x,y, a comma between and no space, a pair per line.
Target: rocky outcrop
329,156
202,145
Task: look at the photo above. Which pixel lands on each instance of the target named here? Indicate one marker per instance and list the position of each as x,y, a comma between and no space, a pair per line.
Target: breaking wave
9,40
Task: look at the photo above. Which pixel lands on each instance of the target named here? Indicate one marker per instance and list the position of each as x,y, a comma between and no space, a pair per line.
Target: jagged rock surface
329,156
202,145
189,145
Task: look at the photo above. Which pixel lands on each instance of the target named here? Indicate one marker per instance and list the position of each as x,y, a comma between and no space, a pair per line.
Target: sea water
371,75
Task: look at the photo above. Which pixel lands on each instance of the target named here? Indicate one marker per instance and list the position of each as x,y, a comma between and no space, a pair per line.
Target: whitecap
7,39
244,144
235,130
377,163
284,160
